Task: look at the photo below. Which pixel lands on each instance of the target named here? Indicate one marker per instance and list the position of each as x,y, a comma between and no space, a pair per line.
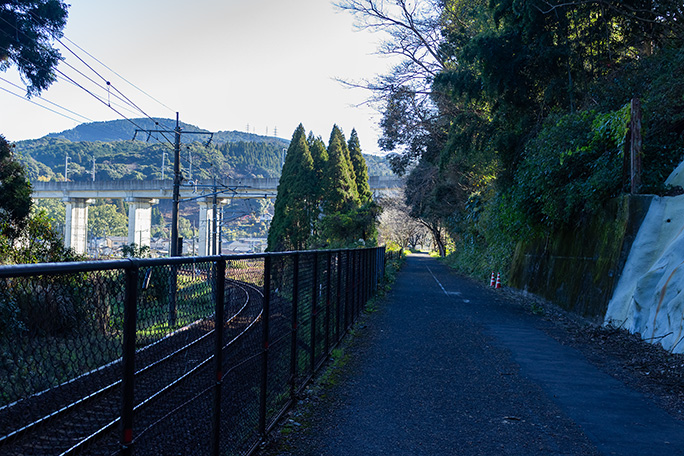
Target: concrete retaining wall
578,268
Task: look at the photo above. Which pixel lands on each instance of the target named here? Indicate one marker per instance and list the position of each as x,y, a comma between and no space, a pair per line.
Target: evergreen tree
360,168
26,28
319,154
15,205
293,213
339,182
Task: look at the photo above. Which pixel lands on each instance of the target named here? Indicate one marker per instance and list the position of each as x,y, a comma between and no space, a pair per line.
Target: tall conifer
339,183
293,216
320,163
360,168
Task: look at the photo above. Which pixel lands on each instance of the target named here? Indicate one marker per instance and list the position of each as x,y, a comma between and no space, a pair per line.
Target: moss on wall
578,268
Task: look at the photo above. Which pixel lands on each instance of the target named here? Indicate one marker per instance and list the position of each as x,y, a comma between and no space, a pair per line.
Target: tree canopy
510,117
27,29
293,211
15,204
318,203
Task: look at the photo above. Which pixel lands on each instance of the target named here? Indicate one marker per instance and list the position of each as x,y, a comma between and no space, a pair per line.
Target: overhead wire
107,103
94,82
42,106
109,84
121,77
17,86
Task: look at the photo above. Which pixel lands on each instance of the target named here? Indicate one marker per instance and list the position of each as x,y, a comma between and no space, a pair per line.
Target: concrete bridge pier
76,224
206,224
140,220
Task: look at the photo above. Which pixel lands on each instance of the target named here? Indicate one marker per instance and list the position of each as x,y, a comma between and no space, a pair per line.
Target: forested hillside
117,156
511,118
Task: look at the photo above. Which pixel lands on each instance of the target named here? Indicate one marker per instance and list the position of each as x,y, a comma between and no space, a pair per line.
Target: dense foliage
24,237
15,188
319,204
46,159
27,28
117,156
293,215
514,121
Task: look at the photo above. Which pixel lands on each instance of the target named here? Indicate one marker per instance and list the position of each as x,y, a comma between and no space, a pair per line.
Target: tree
319,154
360,168
396,224
340,193
38,242
15,204
55,211
27,28
104,219
347,217
294,209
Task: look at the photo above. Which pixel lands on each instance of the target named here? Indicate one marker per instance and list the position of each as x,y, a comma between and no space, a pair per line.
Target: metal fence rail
168,356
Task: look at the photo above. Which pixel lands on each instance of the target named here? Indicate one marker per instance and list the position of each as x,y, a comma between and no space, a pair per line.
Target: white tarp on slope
648,298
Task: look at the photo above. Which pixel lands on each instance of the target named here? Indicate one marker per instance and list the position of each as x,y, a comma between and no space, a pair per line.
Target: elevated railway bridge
141,195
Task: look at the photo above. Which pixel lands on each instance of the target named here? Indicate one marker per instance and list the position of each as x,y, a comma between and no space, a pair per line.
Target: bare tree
413,29
397,225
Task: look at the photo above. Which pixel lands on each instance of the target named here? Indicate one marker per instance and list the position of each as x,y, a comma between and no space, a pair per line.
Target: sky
221,64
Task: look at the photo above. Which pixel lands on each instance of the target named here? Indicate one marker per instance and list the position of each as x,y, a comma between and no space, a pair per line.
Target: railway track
82,415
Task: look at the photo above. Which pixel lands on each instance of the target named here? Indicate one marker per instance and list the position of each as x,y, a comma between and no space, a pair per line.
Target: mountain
125,130
108,150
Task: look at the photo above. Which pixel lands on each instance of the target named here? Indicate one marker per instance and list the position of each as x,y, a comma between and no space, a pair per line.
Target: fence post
173,296
357,268
327,303
338,301
367,263
219,319
295,308
314,301
128,358
364,281
266,316
347,279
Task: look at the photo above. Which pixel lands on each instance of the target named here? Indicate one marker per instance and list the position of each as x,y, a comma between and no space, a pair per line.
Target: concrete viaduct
142,195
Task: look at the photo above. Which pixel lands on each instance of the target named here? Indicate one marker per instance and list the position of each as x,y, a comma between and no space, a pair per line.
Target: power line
38,104
45,100
108,102
109,84
97,84
117,74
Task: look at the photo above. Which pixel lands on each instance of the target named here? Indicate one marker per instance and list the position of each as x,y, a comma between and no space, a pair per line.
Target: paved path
446,367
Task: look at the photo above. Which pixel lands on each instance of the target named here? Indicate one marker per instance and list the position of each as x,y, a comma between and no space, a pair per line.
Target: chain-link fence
116,357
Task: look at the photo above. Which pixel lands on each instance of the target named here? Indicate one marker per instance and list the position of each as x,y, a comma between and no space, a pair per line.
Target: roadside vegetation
511,118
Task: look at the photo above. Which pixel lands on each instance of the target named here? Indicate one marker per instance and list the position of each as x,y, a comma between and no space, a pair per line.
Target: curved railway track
82,415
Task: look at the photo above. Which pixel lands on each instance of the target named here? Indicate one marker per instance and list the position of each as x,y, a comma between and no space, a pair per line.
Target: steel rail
96,435
108,388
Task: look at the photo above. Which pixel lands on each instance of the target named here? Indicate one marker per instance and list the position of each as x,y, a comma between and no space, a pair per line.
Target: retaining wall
578,268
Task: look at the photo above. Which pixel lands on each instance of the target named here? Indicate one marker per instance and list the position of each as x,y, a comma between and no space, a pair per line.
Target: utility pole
190,158
214,222
93,168
177,178
66,169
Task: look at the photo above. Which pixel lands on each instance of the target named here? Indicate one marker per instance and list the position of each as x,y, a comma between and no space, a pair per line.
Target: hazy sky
222,64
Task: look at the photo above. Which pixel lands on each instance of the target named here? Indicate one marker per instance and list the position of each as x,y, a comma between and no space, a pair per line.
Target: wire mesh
61,342
62,334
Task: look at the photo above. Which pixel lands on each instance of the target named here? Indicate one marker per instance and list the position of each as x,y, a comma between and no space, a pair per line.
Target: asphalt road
447,367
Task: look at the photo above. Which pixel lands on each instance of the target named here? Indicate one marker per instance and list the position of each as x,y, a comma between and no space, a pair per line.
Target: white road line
440,285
